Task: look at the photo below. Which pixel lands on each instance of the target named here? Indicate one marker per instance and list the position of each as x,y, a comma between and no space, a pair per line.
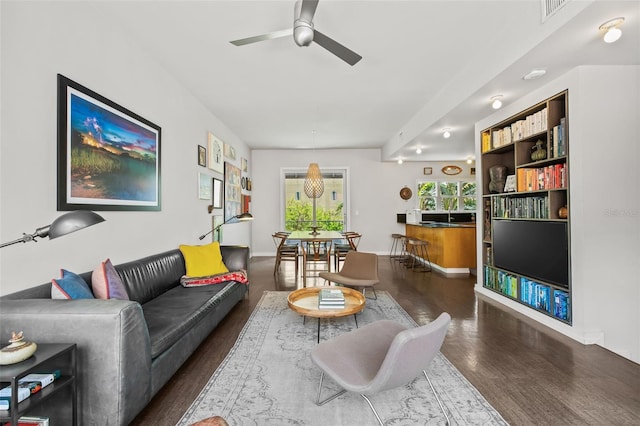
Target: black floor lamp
65,224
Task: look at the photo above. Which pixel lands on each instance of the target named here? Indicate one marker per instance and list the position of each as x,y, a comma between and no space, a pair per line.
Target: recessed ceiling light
533,74
446,133
399,160
418,150
496,101
612,29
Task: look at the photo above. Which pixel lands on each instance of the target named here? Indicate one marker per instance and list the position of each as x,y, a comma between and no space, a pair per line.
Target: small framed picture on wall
218,194
202,156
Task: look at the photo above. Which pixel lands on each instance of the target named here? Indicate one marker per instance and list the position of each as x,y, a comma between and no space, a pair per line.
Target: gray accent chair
380,356
359,270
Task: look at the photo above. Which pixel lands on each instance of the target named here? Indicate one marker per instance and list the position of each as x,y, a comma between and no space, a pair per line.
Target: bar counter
452,246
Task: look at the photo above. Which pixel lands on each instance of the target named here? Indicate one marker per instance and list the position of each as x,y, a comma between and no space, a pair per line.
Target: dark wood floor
530,374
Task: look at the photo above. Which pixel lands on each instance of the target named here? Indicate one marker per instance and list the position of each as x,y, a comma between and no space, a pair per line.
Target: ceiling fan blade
308,9
263,37
347,55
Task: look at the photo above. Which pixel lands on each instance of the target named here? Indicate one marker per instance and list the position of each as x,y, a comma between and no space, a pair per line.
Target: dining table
313,240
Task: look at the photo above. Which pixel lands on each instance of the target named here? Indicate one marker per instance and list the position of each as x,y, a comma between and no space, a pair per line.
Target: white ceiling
426,65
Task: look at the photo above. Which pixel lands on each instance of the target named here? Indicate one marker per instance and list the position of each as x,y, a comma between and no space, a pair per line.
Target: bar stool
397,244
418,248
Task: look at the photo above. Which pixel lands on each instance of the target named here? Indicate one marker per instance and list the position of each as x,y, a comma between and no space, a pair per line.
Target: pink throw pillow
106,282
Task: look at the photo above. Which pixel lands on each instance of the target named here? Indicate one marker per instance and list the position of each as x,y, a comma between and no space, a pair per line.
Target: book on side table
329,298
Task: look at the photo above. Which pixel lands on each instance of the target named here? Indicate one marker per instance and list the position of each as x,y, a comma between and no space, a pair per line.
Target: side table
305,302
47,358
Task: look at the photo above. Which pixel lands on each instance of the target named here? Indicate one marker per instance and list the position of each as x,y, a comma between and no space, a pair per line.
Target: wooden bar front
450,247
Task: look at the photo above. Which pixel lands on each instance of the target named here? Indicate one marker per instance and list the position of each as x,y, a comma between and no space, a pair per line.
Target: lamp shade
244,217
73,221
313,183
65,224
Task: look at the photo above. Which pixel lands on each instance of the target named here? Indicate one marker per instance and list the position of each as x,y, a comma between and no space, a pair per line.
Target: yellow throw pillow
203,260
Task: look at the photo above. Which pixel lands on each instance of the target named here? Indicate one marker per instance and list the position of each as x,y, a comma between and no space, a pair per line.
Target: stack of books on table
330,298
29,384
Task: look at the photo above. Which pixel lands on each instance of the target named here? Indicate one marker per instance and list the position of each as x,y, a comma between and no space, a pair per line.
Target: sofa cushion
203,260
106,282
149,277
173,314
70,286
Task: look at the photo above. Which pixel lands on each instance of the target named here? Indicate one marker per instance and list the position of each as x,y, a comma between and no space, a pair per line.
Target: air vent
549,7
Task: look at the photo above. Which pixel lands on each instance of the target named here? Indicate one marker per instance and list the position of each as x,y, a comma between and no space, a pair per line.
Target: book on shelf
24,391
535,294
27,385
541,178
486,141
561,304
31,421
40,379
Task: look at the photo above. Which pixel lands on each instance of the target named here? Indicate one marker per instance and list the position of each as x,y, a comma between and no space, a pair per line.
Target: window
447,196
330,207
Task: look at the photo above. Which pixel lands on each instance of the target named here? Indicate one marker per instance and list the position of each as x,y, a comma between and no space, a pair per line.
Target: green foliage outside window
427,195
447,196
449,193
299,216
468,192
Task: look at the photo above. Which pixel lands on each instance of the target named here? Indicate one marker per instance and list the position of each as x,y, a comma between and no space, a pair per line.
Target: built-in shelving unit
525,231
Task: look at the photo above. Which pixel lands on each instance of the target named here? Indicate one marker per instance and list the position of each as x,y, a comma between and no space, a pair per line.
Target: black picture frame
217,193
108,156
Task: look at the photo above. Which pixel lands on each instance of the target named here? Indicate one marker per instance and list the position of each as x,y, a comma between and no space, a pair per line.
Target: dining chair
340,249
285,251
316,257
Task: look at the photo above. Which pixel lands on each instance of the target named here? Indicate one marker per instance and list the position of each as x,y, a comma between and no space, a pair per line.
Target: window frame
346,198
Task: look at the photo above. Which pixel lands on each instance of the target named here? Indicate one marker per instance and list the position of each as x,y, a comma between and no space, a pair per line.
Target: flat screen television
536,249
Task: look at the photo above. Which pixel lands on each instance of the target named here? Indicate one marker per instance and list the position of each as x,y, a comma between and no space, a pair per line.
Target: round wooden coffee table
305,302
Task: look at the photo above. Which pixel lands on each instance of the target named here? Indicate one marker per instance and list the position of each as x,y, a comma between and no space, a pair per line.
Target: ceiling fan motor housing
302,32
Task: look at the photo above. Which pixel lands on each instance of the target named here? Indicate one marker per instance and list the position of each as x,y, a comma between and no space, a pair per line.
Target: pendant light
314,188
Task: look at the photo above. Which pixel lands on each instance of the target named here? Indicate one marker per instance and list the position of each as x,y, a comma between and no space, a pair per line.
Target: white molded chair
380,356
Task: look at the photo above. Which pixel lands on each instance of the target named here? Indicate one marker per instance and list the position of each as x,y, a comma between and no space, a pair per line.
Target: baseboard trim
586,337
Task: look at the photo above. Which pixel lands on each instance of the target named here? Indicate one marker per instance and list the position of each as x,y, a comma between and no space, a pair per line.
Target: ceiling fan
304,33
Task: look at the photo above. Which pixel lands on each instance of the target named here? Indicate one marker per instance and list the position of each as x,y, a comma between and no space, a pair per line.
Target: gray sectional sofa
127,350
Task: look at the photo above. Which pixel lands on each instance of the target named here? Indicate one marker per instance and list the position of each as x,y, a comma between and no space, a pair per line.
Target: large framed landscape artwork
108,156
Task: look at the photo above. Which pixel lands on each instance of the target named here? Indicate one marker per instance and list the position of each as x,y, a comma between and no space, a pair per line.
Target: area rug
268,377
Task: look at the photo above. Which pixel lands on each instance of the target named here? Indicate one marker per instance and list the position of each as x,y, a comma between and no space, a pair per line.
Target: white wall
604,204
374,192
40,40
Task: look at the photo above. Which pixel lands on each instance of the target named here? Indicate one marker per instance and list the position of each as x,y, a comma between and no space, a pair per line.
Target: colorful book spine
561,308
